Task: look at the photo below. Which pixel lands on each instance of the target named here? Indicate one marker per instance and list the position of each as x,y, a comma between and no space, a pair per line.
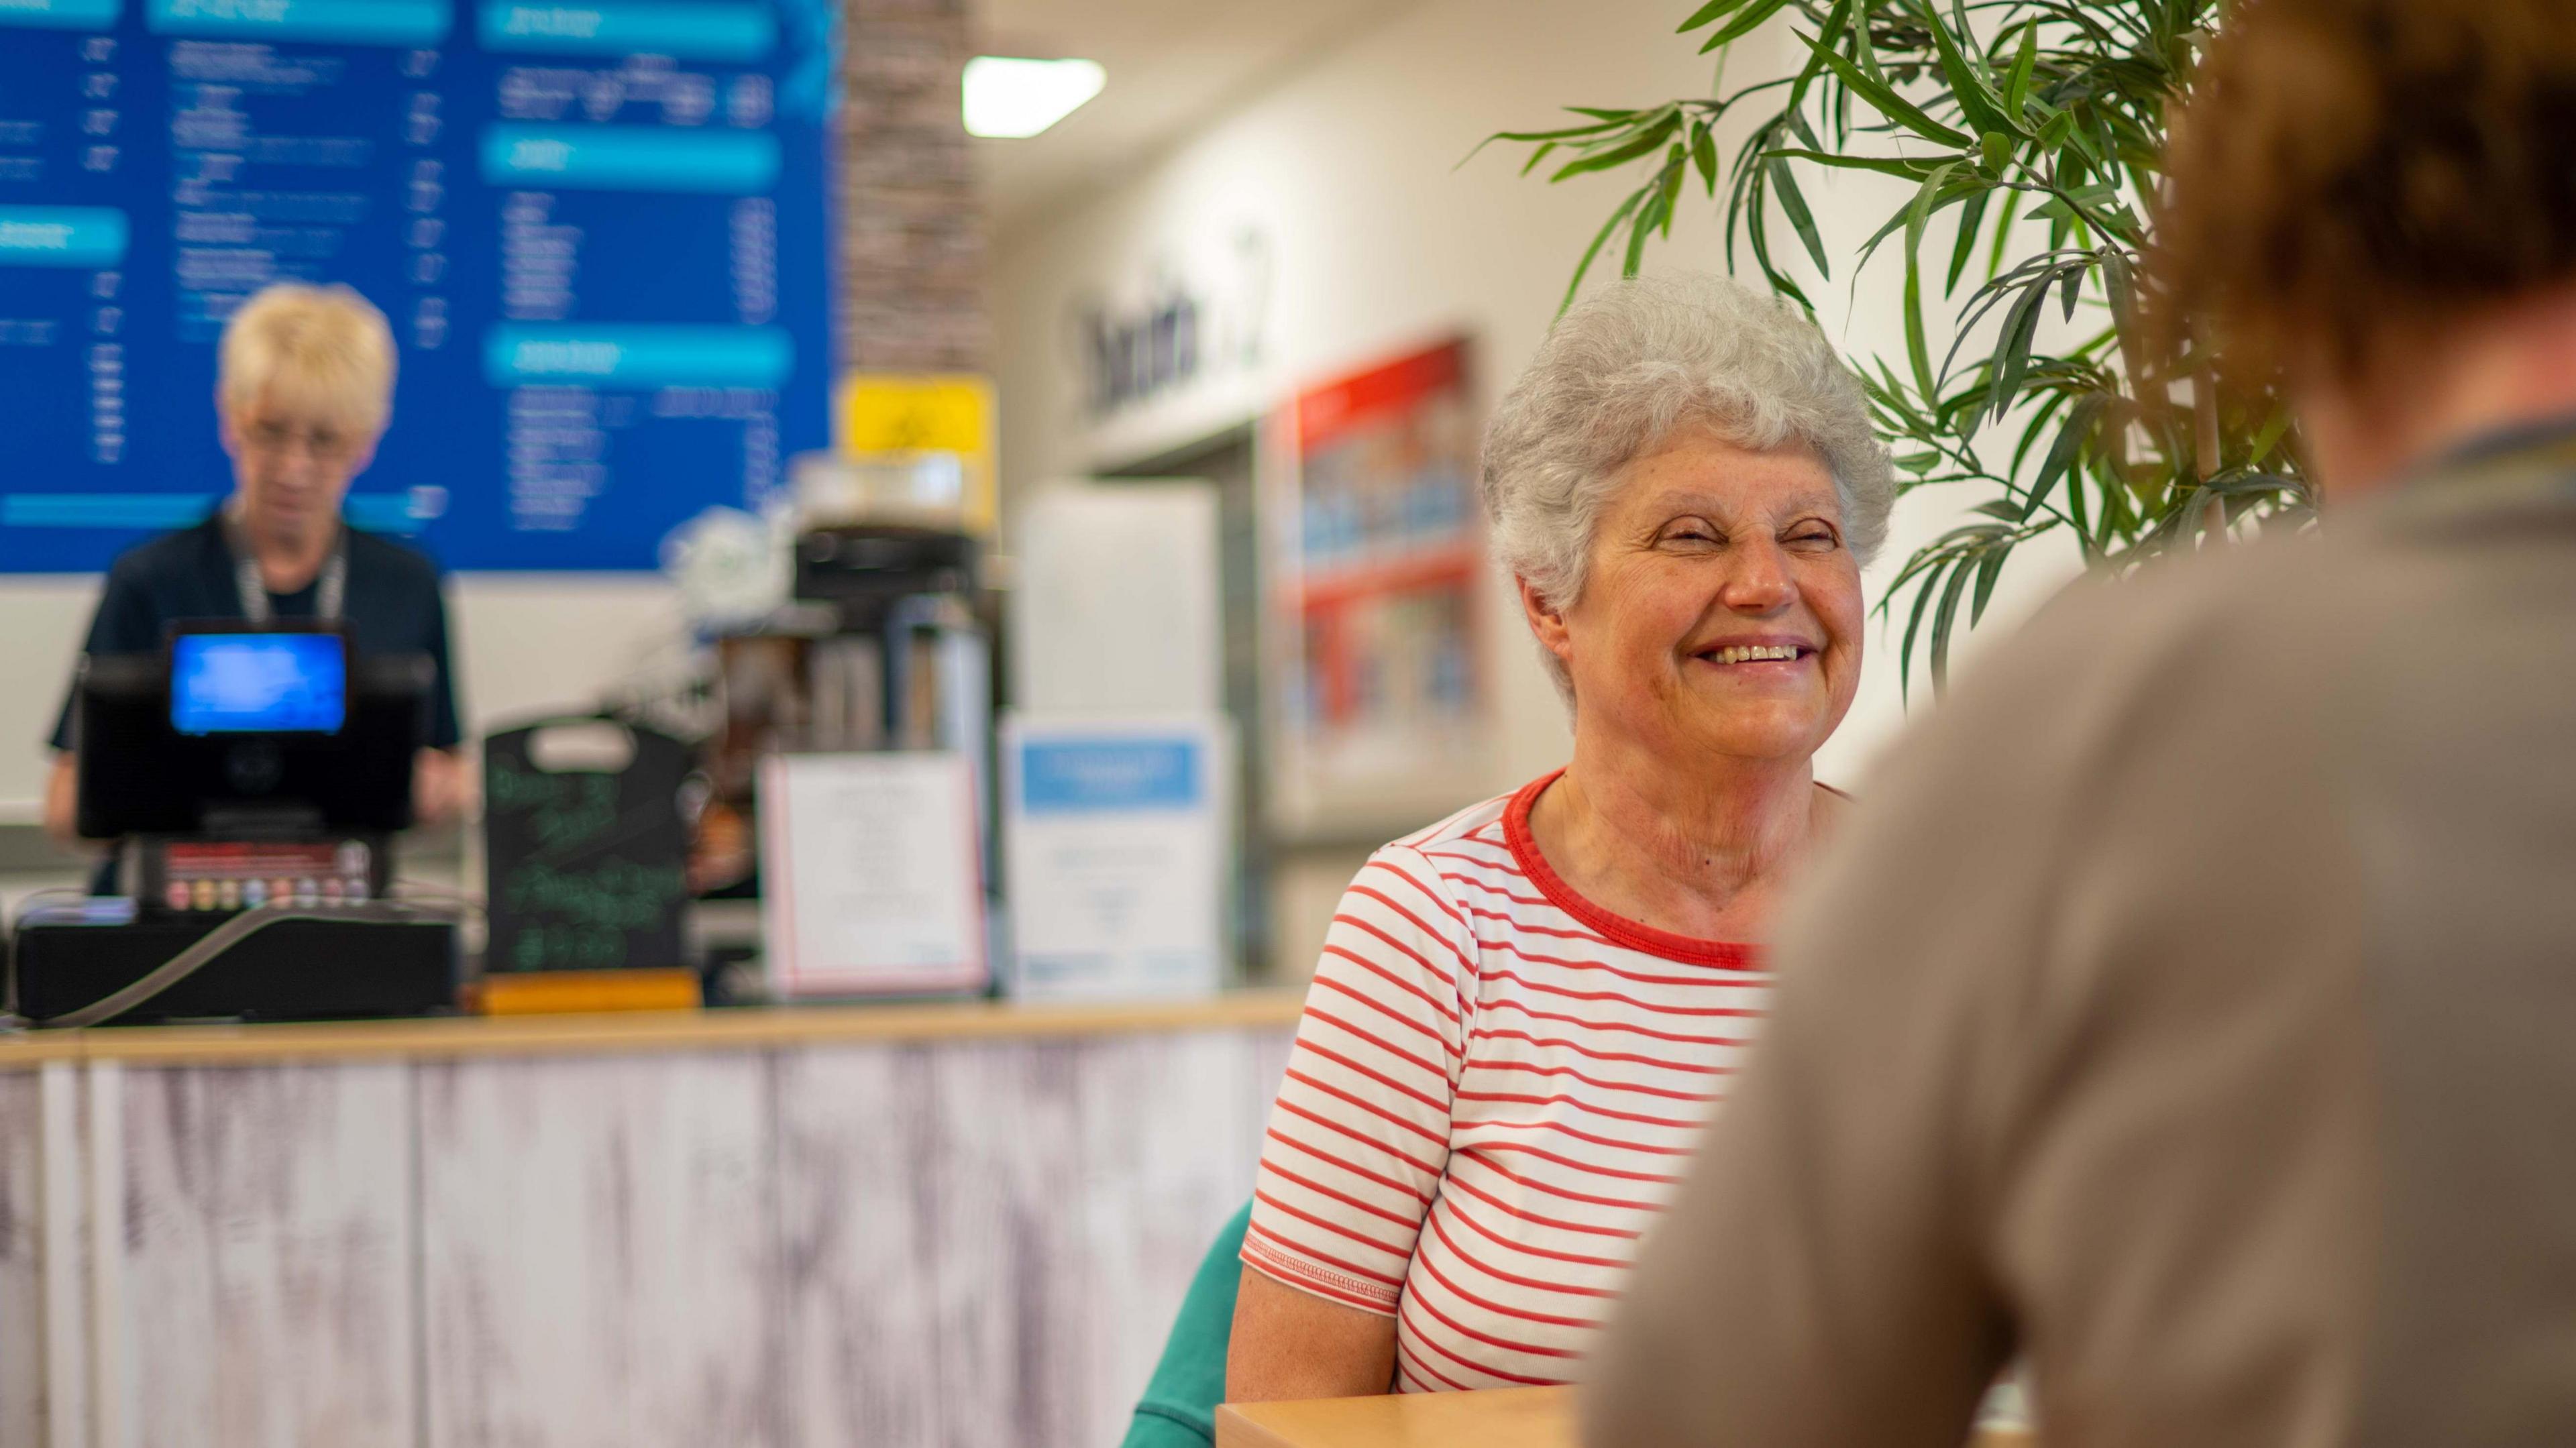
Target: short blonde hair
326,350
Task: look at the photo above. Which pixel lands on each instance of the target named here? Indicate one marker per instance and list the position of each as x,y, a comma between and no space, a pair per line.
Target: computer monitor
264,682
235,724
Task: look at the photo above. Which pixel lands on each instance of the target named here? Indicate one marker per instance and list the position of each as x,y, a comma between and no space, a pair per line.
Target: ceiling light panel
1010,96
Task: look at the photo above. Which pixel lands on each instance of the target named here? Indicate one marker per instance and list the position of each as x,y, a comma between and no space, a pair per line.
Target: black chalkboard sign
586,852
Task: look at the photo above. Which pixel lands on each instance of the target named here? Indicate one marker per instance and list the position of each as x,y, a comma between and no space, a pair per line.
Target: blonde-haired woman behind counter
303,392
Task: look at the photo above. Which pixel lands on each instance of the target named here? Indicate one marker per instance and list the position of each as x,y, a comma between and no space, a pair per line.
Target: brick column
911,226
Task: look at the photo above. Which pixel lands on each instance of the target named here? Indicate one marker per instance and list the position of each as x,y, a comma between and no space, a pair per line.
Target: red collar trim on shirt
1619,929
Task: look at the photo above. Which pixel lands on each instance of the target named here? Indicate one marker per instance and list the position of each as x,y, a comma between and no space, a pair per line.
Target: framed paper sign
872,880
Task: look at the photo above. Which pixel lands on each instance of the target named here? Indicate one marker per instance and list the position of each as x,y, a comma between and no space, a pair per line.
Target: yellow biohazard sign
887,417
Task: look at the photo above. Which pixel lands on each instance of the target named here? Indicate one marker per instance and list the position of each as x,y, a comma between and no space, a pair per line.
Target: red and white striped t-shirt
1495,1089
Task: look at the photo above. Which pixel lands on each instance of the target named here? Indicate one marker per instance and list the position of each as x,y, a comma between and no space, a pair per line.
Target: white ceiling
1172,64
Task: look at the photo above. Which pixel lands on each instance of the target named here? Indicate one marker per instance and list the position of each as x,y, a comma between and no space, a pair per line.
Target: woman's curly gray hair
1627,367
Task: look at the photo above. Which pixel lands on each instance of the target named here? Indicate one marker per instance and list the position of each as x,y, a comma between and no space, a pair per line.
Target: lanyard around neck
331,588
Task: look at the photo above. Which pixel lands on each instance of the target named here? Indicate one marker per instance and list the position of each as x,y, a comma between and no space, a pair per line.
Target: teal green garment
1179,1406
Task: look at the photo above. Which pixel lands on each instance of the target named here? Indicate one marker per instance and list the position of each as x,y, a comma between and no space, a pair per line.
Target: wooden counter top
750,1028
1504,1418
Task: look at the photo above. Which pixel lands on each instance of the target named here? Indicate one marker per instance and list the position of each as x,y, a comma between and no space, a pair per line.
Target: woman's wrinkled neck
1697,851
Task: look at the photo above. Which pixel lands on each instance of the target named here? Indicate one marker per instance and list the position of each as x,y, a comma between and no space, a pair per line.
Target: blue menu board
598,227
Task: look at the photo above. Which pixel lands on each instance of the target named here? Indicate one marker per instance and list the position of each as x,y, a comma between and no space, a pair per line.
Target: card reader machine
246,765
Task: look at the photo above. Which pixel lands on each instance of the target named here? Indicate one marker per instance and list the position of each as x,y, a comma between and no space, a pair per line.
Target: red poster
1380,577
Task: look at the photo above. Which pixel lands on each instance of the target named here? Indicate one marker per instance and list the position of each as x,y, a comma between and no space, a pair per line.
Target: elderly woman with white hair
1525,1013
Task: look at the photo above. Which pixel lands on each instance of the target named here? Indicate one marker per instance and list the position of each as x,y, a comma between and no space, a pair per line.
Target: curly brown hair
2343,171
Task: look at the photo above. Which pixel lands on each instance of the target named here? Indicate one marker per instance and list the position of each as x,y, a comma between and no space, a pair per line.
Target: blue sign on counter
1116,839
1060,775
598,228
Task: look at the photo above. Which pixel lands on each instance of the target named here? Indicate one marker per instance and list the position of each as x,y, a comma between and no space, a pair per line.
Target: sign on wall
598,228
1196,317
1378,549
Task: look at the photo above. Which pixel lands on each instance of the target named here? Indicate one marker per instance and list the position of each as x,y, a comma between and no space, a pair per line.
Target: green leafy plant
2041,123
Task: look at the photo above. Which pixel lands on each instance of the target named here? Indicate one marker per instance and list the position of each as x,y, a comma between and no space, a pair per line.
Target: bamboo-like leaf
2012,346
2017,85
1743,24
1757,233
1942,619
1884,165
1565,132
1785,187
1676,168
1889,391
2062,99
1886,101
1917,350
1568,133
1978,105
1960,185
1987,572
1865,48
1914,622
1706,13
1972,218
1799,128
2076,515
1643,227
1828,37
2038,422
1599,238
2069,446
2003,233
1621,155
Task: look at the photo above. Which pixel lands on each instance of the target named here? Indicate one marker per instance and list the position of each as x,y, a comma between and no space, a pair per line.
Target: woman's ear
1546,622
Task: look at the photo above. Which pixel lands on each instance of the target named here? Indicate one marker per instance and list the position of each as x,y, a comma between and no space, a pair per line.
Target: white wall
1378,241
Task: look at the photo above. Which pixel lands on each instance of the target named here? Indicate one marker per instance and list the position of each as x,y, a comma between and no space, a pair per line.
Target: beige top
2192,1008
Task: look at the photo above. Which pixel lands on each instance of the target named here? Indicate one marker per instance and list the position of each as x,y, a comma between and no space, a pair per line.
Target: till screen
258,683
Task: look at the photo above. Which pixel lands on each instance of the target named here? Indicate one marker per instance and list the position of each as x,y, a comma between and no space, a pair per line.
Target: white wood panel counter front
961,1225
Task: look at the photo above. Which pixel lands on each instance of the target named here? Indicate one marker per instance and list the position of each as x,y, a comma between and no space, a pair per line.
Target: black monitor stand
210,826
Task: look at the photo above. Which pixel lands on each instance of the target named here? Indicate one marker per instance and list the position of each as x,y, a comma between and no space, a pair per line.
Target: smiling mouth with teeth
1756,653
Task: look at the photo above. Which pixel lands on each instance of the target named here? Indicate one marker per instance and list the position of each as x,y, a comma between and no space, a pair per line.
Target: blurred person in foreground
1524,1015
303,391
2195,1011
